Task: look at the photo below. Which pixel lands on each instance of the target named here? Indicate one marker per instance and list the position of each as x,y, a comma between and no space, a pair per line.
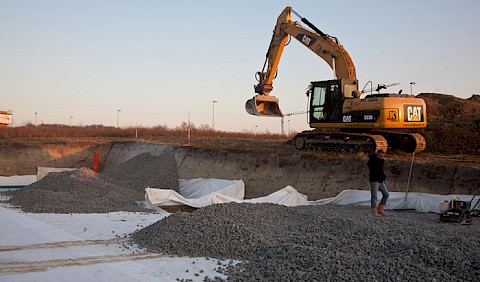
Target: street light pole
189,128
35,118
118,116
213,113
71,120
411,87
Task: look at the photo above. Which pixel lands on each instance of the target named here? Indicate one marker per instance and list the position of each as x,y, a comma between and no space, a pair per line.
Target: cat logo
414,113
347,118
305,39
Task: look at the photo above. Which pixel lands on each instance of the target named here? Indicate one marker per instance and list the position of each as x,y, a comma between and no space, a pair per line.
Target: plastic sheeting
287,196
86,247
421,202
17,181
203,192
199,187
197,193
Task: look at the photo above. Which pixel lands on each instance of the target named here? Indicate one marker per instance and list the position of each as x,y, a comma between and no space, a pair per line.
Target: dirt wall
320,178
23,158
262,173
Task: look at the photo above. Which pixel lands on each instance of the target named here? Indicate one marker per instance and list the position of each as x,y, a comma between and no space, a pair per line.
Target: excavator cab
327,97
264,106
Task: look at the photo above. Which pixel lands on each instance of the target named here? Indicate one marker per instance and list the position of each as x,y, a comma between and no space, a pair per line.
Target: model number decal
361,116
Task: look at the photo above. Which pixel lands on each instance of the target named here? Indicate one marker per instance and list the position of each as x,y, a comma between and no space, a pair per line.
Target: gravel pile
79,191
319,243
84,191
145,171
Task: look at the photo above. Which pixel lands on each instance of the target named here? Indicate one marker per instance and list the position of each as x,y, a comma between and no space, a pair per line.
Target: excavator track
360,142
340,141
406,142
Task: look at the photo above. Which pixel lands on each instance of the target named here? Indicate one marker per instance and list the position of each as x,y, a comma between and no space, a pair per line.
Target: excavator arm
323,45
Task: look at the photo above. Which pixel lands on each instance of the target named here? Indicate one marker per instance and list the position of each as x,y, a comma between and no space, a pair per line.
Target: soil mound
447,107
453,124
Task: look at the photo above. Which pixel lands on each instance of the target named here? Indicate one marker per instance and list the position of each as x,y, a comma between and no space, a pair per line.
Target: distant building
6,118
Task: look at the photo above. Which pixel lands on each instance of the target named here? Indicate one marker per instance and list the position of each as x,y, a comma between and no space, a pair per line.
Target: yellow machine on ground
342,120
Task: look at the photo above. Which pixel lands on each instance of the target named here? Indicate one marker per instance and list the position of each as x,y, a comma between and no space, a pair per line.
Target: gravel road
319,243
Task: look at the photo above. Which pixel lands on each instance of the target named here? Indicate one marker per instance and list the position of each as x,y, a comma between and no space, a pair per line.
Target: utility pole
118,116
189,128
411,87
213,114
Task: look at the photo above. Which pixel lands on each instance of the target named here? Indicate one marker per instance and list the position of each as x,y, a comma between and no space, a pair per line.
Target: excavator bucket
264,106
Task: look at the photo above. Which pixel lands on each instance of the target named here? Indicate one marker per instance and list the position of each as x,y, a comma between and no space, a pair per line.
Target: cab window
318,103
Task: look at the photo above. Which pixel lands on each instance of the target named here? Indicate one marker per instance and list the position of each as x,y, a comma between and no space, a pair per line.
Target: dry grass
61,131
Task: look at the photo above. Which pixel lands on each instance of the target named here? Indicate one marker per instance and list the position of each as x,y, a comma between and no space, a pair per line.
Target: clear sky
159,61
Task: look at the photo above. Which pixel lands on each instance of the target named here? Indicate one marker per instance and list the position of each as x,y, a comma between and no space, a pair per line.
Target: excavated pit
263,173
272,242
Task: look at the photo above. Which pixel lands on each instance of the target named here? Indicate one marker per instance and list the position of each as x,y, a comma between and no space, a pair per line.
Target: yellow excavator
341,119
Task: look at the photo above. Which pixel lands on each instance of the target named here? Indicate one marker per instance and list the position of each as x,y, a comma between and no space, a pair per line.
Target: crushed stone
319,243
145,171
117,188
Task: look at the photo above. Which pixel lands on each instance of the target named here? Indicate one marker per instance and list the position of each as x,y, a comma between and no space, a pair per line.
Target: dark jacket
375,167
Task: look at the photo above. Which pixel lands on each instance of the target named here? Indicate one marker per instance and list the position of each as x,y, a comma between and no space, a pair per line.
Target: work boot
381,210
375,212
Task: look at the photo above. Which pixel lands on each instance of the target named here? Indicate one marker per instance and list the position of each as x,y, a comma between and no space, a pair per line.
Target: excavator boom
326,47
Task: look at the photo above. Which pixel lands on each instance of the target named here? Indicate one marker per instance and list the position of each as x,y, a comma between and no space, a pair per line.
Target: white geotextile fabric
17,180
421,202
216,191
199,187
287,196
203,192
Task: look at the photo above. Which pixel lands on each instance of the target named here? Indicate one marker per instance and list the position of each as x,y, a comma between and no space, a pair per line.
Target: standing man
377,182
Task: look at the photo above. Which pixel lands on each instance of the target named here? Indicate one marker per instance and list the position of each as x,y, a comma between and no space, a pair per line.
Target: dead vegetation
52,131
453,129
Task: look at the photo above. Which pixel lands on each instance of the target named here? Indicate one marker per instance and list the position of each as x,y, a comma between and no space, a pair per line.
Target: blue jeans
374,187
